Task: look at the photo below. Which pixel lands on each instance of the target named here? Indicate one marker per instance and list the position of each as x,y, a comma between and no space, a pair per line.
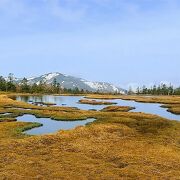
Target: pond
49,125
66,101
72,101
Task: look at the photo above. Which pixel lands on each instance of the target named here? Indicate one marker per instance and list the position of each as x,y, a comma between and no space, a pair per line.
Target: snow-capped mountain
71,82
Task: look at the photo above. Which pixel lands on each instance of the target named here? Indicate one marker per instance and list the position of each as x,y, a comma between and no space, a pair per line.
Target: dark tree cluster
162,89
9,85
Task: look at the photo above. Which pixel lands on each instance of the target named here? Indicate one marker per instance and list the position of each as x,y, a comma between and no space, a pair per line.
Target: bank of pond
47,125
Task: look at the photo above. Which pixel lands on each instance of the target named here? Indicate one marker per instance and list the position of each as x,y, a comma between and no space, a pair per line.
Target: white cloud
13,8
71,10
77,10
68,10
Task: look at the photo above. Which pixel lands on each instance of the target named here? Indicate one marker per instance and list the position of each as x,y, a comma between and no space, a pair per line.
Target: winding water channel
50,126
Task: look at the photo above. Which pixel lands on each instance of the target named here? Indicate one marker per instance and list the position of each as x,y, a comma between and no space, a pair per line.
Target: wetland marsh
118,144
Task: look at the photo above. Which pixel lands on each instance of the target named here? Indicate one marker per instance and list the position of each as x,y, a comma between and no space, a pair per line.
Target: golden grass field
117,109
118,145
94,102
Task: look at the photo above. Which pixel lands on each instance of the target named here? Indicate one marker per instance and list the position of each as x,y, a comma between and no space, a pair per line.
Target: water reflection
72,101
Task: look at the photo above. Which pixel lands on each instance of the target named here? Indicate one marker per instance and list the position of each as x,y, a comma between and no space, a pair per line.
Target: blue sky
119,41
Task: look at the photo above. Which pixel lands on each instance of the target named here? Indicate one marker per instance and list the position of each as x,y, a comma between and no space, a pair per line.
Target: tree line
161,89
9,85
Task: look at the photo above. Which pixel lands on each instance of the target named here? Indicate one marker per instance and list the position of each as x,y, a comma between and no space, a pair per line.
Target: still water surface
51,126
72,101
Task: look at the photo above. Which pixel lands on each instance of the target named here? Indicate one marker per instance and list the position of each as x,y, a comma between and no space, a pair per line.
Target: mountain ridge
71,82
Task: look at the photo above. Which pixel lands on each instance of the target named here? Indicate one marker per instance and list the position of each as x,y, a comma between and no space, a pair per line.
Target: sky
125,42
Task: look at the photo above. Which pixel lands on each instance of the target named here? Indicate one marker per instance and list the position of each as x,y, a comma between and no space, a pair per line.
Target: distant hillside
70,82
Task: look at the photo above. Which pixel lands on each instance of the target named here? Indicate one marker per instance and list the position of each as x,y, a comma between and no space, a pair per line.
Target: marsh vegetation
117,145
94,102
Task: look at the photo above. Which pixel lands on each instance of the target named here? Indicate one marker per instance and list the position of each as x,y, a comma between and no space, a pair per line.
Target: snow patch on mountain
94,85
102,86
70,82
114,88
50,76
31,78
